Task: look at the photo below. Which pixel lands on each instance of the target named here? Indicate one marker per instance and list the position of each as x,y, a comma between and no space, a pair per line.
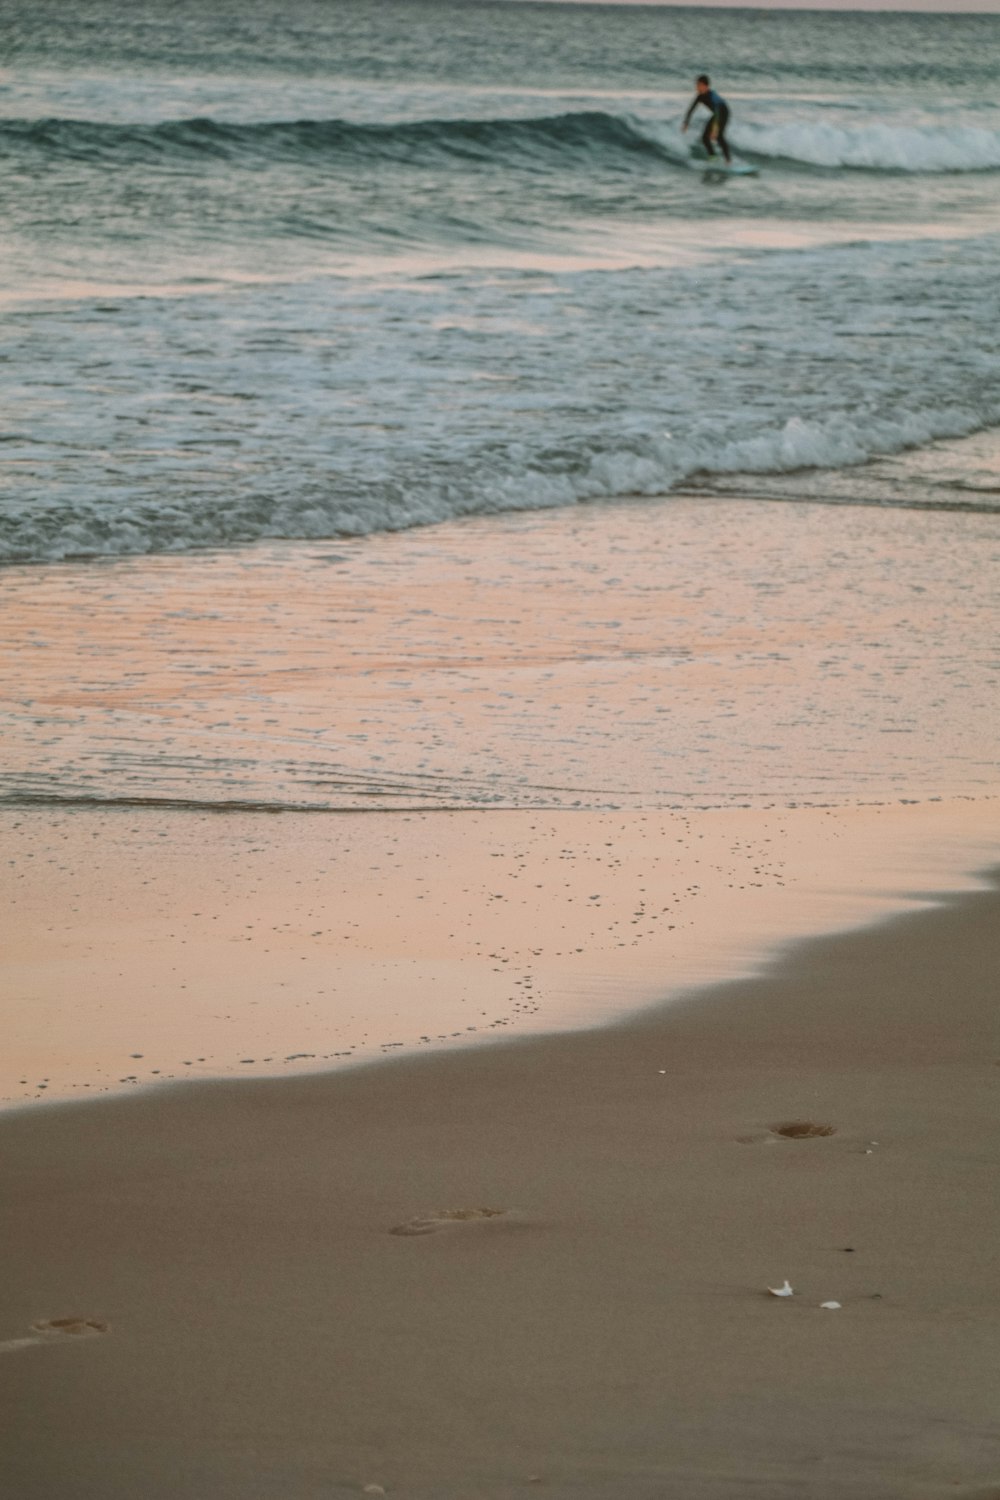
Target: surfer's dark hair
704,78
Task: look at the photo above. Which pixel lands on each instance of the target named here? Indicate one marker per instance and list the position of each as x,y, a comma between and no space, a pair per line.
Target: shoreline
607,1331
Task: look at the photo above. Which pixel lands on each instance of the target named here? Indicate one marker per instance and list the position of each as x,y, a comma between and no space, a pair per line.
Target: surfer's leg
721,137
706,136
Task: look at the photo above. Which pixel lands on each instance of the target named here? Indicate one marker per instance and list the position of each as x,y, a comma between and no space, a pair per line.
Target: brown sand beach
645,894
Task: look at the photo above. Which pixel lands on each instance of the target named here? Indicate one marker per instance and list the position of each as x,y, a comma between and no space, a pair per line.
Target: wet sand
300,803
604,1330
144,947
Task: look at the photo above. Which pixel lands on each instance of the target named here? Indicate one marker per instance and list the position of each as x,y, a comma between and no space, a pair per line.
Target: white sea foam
887,147
332,408
839,439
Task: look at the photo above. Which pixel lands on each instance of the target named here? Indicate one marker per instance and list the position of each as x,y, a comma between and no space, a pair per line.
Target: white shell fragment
782,1291
832,1305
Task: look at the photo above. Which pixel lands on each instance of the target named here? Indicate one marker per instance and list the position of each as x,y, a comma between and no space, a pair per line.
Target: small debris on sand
429,1223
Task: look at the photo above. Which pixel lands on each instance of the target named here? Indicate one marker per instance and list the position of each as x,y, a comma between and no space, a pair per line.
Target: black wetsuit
720,119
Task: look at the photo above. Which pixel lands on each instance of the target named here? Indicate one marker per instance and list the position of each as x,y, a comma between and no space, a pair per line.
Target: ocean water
338,267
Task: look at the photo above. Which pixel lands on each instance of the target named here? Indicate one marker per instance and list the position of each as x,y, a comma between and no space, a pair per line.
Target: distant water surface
342,267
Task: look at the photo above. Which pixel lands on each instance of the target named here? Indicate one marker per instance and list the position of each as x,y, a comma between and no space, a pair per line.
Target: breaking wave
541,142
651,468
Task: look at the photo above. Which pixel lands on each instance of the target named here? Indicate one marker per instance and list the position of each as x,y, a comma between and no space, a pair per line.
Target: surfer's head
702,83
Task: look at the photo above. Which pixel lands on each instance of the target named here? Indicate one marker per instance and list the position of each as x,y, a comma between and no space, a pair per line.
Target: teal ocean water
338,267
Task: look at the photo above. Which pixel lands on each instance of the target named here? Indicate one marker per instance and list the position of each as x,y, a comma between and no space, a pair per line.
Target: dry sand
606,1332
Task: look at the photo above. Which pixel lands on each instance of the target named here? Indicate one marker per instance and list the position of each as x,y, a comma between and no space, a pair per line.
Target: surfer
715,131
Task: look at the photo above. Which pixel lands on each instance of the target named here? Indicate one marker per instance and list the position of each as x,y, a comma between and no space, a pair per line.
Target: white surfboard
716,164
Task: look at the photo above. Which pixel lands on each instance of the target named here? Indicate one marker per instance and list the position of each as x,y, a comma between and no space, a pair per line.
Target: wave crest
411,140
875,147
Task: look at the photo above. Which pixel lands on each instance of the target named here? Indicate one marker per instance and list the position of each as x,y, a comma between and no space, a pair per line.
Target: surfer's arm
691,109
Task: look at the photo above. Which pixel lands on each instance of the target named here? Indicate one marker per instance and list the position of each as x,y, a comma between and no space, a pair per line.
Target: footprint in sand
443,1218
73,1328
49,1330
789,1130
